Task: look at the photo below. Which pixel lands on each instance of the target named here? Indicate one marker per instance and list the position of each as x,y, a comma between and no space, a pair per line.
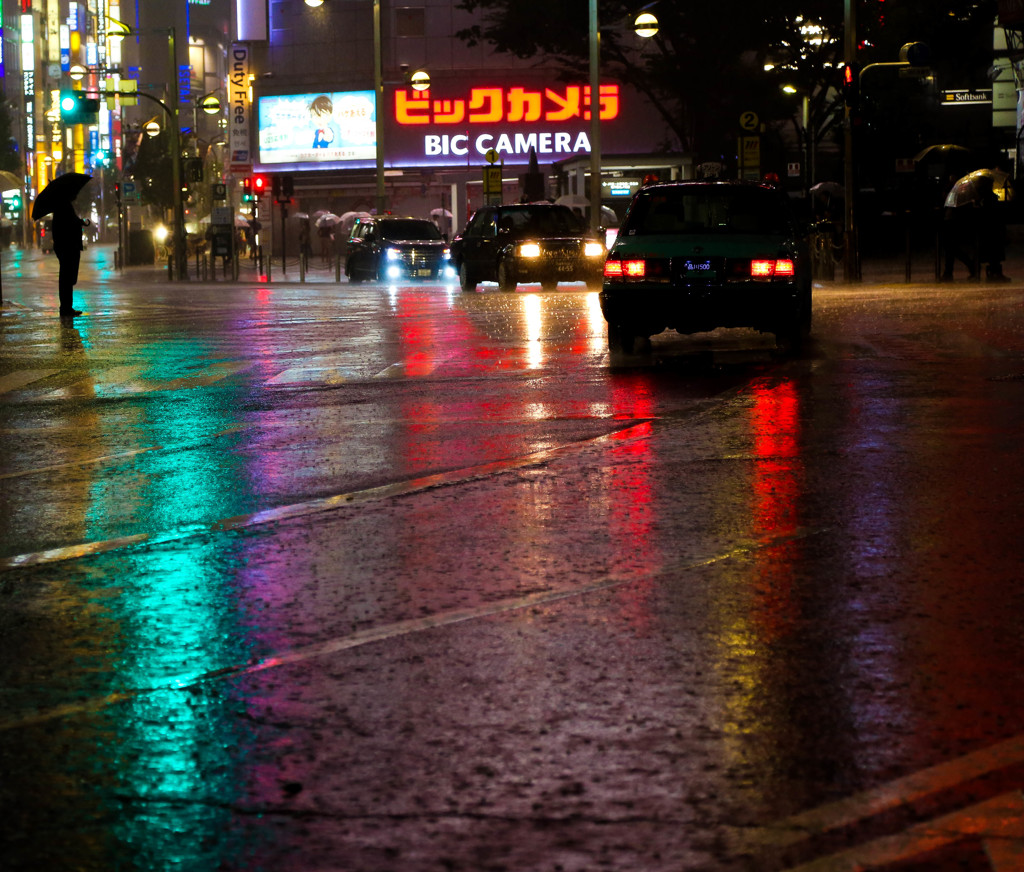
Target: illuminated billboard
320,130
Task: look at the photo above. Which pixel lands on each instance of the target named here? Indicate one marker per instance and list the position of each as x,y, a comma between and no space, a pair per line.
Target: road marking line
323,504
998,823
13,381
393,631
103,458
304,375
868,804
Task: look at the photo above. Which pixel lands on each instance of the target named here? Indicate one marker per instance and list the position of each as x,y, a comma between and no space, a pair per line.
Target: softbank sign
553,122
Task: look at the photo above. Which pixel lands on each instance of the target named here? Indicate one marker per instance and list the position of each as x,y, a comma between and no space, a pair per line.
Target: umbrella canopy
971,187
827,190
298,216
939,151
573,201
9,181
62,189
439,213
328,219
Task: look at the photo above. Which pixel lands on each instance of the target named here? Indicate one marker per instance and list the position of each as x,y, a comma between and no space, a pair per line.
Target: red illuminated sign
505,106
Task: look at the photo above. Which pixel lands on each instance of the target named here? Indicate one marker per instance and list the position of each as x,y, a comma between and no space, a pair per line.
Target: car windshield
397,231
540,220
704,209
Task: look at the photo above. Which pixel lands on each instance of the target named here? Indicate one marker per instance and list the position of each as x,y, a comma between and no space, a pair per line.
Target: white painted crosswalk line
15,380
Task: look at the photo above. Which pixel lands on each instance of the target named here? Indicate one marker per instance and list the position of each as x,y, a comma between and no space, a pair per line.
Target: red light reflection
777,484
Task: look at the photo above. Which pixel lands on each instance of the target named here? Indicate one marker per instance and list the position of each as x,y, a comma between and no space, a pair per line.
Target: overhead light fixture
645,25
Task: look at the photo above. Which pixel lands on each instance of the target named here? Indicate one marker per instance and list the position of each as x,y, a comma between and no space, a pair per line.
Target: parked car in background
389,248
529,242
696,256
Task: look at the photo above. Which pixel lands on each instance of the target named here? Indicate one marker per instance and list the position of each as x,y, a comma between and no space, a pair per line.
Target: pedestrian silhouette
67,245
992,231
66,228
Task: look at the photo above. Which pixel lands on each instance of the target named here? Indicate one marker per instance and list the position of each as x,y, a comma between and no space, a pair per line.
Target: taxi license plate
424,273
698,269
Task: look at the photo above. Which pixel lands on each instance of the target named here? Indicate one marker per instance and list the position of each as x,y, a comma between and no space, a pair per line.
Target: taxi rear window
708,209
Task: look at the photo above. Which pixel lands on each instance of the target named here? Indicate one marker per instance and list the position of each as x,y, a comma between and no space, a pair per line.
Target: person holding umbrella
57,198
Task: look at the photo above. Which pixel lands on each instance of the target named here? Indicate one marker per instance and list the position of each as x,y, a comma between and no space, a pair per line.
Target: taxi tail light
633,268
783,268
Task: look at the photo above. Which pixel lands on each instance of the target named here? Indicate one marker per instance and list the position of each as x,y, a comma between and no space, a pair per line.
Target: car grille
418,258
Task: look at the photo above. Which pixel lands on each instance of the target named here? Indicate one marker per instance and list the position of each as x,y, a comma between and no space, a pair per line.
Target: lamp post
595,118
807,138
645,25
378,89
171,110
851,256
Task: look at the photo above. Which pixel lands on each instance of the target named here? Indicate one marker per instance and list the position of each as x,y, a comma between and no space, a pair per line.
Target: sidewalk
874,270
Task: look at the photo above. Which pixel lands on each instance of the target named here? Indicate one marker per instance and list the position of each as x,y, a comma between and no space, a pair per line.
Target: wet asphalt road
317,577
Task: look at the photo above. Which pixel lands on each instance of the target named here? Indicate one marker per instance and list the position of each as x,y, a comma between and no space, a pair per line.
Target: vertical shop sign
240,111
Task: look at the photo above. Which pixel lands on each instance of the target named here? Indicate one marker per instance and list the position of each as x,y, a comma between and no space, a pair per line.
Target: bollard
906,220
302,267
337,267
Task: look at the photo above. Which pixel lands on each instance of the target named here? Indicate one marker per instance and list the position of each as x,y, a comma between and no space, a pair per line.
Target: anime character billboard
324,129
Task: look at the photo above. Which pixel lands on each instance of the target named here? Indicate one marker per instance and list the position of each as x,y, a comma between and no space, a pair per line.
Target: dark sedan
530,242
696,256
389,249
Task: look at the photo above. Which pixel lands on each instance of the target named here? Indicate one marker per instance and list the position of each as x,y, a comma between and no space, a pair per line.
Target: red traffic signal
259,185
851,85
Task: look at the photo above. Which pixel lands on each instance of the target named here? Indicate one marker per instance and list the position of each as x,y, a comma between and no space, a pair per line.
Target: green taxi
698,255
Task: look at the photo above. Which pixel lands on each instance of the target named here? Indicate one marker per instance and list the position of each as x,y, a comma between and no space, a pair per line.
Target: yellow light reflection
533,315
597,328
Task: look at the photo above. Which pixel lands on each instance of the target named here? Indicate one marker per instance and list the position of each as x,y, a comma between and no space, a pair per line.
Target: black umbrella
62,189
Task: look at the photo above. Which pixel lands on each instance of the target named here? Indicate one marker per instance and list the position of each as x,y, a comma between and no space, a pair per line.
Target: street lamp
645,25
807,136
378,90
171,110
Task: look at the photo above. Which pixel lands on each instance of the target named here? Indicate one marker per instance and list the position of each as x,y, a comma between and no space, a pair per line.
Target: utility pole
851,257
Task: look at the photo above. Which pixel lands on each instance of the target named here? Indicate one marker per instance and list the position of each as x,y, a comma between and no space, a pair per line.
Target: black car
530,242
388,249
696,256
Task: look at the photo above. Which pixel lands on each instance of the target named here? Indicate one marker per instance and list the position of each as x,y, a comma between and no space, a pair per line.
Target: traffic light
76,108
851,86
259,185
12,204
246,190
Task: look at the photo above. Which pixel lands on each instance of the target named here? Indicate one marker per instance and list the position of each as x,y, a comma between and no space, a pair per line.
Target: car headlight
391,253
529,249
446,254
593,249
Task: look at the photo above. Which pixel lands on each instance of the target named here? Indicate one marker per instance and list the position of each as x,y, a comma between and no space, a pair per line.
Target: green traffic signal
76,108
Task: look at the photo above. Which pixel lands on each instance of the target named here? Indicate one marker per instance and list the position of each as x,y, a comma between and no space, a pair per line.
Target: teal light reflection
174,751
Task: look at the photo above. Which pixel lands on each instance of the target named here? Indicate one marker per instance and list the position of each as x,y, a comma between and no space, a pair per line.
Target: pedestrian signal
851,85
259,185
246,190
